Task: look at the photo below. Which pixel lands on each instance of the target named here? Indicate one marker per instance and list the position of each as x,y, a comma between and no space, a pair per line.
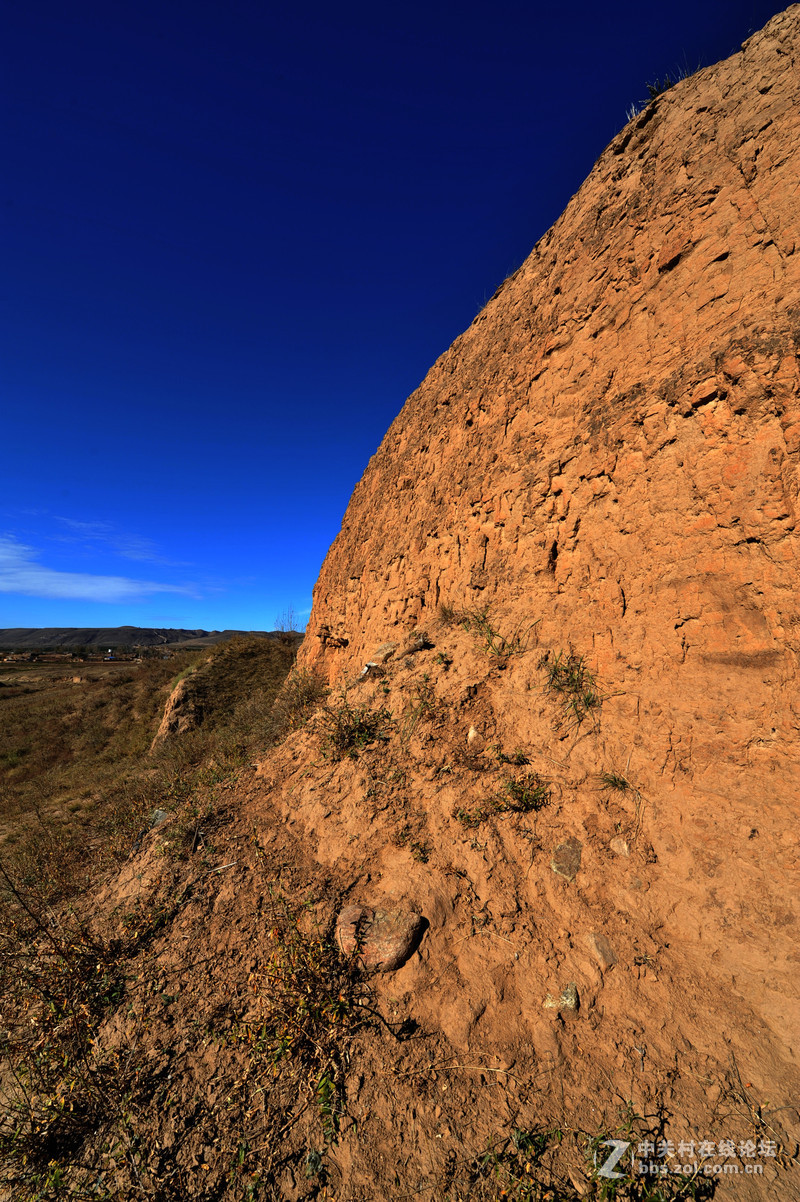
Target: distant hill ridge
28,638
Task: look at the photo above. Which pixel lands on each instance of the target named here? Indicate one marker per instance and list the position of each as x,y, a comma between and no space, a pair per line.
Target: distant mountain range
65,638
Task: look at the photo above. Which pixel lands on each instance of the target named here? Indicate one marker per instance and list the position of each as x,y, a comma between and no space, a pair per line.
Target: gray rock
416,641
381,939
569,997
567,858
158,817
567,1000
384,652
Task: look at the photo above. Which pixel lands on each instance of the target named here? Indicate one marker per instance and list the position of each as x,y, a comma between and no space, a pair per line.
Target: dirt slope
558,996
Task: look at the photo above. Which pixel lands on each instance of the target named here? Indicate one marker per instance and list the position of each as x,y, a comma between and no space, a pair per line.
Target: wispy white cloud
20,572
107,535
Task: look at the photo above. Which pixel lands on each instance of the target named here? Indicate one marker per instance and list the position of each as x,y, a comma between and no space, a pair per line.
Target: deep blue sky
235,236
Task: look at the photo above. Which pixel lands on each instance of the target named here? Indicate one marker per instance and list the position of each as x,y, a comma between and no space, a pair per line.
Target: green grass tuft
348,729
497,645
519,795
569,677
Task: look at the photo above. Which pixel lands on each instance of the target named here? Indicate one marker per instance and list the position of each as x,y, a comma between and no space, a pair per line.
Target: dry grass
80,784
347,729
77,1111
71,1112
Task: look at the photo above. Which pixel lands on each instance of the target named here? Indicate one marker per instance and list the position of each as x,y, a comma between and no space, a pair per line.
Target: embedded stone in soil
567,858
603,951
382,939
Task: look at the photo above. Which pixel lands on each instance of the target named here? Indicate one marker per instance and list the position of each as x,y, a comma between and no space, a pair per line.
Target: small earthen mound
181,713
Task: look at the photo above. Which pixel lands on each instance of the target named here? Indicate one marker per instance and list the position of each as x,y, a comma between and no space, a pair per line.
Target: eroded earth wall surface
610,451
